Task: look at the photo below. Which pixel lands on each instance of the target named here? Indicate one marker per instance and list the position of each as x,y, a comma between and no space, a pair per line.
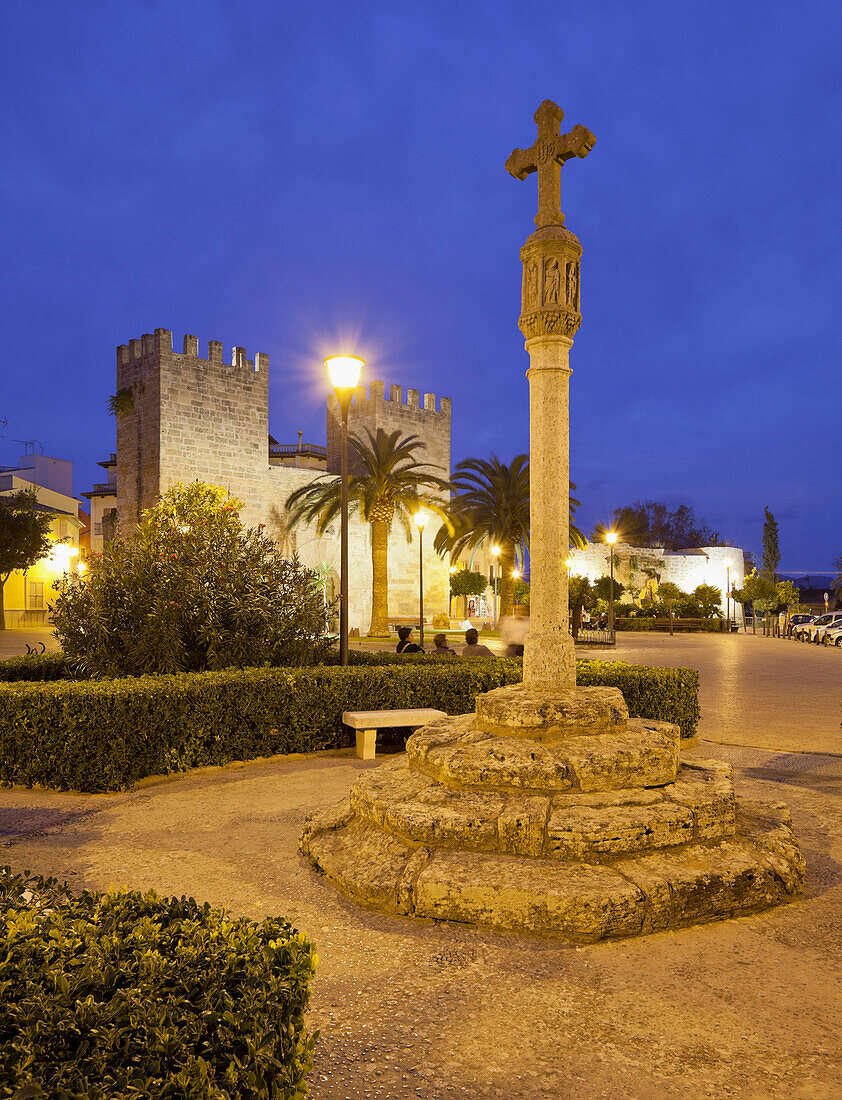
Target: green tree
670,594
490,507
709,600
788,597
771,550
391,485
602,589
651,523
760,592
836,584
25,527
191,589
579,596
520,593
467,582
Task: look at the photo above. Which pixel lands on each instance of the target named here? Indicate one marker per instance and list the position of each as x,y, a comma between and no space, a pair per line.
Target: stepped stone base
590,830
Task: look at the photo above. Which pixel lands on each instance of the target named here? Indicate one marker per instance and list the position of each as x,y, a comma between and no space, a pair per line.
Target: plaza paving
742,1008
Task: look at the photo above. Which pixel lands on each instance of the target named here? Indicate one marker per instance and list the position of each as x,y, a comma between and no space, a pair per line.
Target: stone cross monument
551,809
549,319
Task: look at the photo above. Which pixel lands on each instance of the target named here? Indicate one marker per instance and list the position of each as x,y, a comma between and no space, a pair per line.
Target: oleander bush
190,589
118,995
98,735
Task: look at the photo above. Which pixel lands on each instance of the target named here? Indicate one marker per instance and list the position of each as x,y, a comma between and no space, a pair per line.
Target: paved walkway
772,693
742,1008
746,1008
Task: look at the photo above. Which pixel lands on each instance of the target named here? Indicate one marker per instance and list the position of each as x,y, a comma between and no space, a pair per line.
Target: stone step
582,902
459,753
569,825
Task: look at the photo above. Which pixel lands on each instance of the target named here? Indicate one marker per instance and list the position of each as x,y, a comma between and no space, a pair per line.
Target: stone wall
688,569
206,419
373,410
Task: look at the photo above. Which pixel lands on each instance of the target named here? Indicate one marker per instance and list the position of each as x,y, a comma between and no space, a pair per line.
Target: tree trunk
379,579
576,621
669,608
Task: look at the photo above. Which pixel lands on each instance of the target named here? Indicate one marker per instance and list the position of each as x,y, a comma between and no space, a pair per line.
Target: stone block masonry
194,418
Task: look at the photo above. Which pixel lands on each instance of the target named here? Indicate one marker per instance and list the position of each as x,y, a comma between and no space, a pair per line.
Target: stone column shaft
549,660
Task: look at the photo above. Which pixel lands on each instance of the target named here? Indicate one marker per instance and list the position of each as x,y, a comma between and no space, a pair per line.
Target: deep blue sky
292,175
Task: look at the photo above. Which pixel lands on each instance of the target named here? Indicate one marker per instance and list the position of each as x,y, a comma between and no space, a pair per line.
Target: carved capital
550,291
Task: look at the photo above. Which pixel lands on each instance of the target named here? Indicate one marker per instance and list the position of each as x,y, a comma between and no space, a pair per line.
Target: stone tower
374,410
186,418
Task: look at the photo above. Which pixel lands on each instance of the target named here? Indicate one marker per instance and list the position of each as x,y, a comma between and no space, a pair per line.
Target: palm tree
391,484
491,506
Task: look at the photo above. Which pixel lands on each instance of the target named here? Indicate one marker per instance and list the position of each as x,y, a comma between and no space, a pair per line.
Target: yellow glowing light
454,569
728,563
515,573
569,563
611,537
420,519
81,567
495,550
344,370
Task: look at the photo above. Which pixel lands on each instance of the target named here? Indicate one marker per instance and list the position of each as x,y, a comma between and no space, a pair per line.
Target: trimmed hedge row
99,735
40,667
683,626
124,994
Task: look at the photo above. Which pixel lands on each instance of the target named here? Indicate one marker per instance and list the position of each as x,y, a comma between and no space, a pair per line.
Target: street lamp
495,550
420,521
611,538
344,374
728,594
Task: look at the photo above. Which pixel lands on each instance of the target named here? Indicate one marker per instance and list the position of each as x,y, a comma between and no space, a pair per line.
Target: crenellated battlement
376,393
160,343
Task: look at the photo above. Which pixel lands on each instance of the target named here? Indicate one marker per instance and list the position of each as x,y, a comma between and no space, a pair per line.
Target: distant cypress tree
771,550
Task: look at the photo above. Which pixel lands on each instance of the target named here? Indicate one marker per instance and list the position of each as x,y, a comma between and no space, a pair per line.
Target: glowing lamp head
495,550
611,538
515,573
344,370
727,563
569,563
420,520
454,568
82,567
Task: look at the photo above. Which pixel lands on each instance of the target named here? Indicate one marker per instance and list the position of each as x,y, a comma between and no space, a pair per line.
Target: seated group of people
470,649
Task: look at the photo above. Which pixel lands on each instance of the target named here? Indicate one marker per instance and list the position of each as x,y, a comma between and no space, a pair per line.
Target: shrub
441,622
39,666
191,589
125,994
99,735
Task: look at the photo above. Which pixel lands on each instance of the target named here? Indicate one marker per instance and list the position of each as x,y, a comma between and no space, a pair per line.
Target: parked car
800,619
833,635
808,633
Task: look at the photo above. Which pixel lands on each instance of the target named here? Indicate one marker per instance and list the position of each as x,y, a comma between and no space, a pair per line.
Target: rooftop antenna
30,445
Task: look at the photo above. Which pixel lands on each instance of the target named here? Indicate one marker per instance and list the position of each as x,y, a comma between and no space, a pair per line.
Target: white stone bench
368,722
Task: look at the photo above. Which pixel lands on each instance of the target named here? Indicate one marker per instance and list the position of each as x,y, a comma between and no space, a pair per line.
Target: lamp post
728,595
344,374
611,538
420,520
495,550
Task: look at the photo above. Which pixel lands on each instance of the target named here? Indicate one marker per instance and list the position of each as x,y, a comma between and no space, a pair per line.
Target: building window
98,527
36,595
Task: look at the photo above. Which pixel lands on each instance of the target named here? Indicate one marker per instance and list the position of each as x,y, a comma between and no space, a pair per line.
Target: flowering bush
191,589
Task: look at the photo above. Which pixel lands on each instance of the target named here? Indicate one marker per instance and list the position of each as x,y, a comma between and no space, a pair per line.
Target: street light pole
344,373
495,550
611,538
728,594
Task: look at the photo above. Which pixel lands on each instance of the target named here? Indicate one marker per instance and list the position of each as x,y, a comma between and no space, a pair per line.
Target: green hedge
98,735
683,626
41,666
118,995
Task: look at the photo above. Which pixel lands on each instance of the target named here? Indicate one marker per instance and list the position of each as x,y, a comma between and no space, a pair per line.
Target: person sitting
471,649
405,643
442,648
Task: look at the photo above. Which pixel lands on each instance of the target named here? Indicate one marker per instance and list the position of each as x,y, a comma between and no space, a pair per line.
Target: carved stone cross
550,151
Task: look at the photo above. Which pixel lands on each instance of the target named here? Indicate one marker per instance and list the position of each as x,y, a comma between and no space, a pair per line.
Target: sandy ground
741,1008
